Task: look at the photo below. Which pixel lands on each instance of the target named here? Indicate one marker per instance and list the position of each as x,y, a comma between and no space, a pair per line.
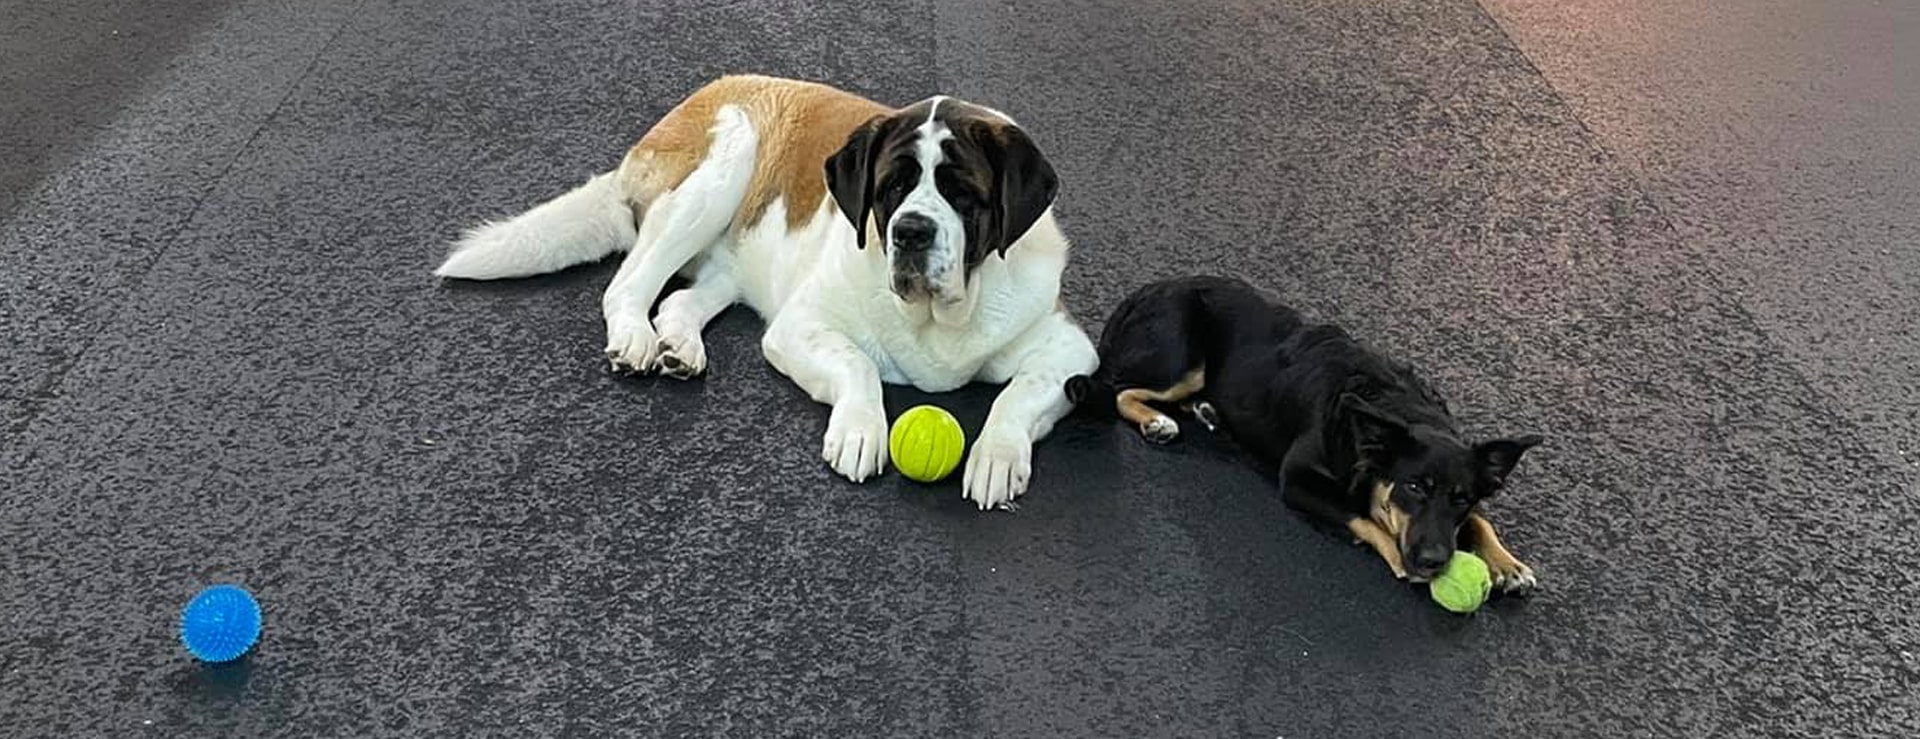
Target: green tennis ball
1463,586
926,443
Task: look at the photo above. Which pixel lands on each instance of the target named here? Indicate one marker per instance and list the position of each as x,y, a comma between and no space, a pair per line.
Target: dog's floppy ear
1024,185
1377,435
1496,458
850,175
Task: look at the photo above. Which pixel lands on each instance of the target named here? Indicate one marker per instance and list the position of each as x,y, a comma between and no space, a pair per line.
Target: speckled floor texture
1681,239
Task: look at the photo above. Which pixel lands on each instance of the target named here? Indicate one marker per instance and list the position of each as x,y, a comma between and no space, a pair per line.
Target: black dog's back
1265,374
1167,329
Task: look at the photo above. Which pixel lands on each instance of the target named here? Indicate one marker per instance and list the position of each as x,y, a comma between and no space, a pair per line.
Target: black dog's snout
1430,559
913,232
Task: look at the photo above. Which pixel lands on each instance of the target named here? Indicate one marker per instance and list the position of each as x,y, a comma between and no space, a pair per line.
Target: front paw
681,357
856,443
1511,576
997,469
632,345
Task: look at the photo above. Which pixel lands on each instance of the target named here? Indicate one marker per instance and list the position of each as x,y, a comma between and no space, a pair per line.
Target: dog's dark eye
904,174
955,190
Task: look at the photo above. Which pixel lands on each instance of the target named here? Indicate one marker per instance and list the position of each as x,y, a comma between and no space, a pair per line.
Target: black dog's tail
1093,394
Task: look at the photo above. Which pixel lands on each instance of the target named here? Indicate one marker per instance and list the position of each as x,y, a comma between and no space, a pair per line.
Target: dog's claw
680,357
671,366
856,442
1513,578
630,347
997,468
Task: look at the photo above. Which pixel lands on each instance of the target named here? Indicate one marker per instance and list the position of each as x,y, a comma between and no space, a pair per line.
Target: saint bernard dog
926,253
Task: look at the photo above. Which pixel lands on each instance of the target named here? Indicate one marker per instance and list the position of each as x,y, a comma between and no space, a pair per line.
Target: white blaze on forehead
926,146
927,140
928,154
937,100
944,262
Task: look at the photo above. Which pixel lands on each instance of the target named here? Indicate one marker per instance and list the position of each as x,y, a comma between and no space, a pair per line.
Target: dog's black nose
913,232
1430,559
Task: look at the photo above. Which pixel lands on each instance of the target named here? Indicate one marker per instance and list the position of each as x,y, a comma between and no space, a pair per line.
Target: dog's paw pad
680,357
1160,430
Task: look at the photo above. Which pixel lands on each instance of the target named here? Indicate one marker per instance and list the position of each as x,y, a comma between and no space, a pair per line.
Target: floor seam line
1827,406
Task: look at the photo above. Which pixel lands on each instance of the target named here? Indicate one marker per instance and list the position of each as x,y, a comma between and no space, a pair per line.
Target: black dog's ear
1497,458
850,176
1024,185
1377,435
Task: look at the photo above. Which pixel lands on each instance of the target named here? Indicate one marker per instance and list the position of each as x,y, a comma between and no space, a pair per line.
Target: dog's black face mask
1426,481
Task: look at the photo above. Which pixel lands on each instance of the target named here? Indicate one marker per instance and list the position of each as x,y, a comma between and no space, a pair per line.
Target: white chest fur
817,269
913,346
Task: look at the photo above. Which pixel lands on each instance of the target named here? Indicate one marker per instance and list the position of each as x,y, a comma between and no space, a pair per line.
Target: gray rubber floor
1681,239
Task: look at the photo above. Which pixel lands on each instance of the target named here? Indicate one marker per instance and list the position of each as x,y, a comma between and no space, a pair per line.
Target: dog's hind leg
685,313
1136,405
1510,575
678,225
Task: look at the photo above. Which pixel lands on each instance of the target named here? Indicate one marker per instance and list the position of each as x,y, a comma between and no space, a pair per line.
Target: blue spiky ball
220,624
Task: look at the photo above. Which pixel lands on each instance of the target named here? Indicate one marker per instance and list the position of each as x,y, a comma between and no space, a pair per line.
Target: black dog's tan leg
1510,575
1382,542
1311,492
1134,405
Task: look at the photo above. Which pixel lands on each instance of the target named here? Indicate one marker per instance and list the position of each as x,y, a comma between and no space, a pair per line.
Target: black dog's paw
1160,430
1512,577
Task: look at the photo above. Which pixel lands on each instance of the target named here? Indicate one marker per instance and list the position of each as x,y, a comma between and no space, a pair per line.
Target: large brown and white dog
961,284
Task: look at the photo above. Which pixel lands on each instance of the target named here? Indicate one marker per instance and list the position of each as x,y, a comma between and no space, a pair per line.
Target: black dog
1359,441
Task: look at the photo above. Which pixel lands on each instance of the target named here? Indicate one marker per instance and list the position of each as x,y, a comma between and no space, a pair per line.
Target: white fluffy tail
584,225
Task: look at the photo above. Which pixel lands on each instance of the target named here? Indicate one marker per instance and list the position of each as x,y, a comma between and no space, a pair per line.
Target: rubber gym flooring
1680,239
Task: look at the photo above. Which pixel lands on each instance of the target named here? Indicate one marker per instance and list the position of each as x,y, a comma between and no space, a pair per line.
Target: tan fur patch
1383,543
1390,517
800,124
1133,404
1480,537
